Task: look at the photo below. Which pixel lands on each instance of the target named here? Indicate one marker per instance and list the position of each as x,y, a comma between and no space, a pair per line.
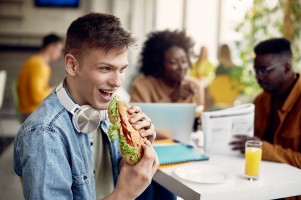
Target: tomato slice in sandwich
127,134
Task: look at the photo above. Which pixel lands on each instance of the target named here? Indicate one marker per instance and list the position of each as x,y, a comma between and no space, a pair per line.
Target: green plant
291,27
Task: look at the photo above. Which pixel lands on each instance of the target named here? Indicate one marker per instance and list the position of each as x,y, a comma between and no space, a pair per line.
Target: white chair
3,75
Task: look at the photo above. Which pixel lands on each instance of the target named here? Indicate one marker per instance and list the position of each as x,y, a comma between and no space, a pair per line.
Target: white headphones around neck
85,119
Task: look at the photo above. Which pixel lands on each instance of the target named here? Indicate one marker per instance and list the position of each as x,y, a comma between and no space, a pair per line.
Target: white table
277,180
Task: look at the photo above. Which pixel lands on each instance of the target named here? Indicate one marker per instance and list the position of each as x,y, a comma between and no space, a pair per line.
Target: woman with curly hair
164,65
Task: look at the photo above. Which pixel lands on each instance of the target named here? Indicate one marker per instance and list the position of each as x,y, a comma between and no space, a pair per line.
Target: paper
220,126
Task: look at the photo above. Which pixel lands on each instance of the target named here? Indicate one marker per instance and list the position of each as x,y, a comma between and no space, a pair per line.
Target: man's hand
182,92
142,123
239,142
134,179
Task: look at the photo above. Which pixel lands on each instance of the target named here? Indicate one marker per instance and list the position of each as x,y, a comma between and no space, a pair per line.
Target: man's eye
122,70
105,68
173,62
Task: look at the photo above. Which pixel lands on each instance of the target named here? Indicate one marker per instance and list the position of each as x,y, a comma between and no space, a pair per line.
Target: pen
187,145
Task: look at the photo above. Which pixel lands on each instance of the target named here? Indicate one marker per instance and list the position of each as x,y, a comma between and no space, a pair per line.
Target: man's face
270,72
56,50
175,64
98,77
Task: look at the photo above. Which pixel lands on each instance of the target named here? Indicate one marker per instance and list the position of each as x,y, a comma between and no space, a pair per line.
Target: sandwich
130,140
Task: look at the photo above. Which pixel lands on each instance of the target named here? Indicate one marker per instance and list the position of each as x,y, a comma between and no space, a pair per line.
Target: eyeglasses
263,71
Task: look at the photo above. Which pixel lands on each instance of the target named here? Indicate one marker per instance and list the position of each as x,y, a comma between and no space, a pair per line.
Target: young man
33,80
277,109
53,157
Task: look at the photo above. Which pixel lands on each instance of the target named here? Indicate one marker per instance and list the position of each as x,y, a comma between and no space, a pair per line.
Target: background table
277,180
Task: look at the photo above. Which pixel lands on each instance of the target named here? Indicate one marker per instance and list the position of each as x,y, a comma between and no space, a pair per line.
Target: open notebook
178,153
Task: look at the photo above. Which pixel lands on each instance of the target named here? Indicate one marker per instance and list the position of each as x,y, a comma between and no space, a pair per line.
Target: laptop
177,118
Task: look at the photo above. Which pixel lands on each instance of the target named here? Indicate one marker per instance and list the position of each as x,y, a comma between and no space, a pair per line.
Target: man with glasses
277,109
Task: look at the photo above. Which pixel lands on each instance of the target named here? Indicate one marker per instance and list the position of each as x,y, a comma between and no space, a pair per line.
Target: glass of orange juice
253,158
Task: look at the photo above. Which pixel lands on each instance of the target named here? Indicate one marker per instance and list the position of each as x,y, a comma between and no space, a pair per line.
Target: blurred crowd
167,72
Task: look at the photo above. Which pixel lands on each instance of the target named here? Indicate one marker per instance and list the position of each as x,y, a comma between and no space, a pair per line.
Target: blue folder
178,153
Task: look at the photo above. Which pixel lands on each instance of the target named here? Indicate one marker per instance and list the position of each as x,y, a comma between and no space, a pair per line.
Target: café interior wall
138,16
34,23
25,23
203,22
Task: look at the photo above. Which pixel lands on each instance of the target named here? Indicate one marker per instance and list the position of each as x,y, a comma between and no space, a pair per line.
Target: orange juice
253,158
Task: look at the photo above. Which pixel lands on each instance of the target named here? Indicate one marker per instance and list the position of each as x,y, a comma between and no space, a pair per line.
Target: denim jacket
53,159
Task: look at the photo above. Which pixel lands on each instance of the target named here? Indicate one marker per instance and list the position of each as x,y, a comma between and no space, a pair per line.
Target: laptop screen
177,118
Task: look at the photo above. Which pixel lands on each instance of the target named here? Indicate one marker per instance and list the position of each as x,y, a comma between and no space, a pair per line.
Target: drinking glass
253,155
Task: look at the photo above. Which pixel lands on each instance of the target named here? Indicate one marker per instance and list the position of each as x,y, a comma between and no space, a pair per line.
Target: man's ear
288,67
71,64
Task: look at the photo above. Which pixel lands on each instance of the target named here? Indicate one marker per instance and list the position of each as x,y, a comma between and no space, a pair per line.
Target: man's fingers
142,124
150,157
150,134
237,136
134,109
147,152
140,119
147,143
236,142
238,145
146,133
142,172
155,164
245,137
136,117
238,148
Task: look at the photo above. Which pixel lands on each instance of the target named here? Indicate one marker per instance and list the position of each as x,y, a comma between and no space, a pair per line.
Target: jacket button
91,143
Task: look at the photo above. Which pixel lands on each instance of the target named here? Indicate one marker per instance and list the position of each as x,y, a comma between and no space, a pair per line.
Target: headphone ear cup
86,119
75,122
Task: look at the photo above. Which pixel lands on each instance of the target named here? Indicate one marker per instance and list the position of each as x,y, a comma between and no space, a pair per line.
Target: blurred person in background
225,87
277,109
225,61
204,71
202,68
165,60
164,65
33,81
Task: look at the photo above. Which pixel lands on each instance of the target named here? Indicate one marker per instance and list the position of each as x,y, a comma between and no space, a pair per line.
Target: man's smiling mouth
107,94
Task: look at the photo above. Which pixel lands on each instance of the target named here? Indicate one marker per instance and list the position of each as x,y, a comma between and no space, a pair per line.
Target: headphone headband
64,98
